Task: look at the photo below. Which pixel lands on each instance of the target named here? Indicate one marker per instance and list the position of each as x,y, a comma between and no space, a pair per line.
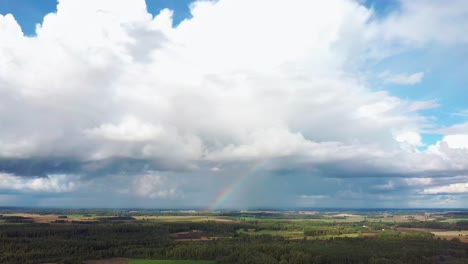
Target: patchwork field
462,235
47,218
137,236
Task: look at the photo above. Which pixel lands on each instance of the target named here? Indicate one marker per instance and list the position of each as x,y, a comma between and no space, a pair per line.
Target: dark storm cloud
42,167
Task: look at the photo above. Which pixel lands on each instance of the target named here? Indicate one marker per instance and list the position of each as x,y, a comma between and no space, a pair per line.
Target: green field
80,216
454,220
145,261
2,222
334,236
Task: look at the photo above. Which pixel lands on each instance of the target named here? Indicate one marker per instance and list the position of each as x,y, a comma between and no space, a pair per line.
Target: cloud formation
106,91
51,183
403,79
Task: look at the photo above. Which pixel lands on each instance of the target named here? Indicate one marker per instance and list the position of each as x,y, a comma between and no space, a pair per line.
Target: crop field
461,235
144,236
47,218
81,216
450,233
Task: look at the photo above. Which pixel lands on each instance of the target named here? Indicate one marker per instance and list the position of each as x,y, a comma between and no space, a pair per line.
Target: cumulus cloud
454,140
453,188
409,137
130,129
114,91
457,141
51,183
152,185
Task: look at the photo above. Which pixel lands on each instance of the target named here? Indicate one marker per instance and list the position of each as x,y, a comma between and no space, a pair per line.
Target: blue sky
345,103
28,13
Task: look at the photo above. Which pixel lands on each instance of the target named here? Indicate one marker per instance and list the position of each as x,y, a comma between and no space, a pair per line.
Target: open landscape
233,132
122,236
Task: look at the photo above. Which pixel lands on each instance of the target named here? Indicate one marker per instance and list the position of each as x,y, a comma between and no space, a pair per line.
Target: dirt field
369,234
462,235
445,234
108,261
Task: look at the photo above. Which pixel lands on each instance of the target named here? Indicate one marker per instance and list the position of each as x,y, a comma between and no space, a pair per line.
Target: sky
234,104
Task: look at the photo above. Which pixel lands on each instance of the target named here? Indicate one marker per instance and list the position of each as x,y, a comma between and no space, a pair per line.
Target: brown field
462,235
444,234
108,261
194,235
411,229
197,239
369,234
49,218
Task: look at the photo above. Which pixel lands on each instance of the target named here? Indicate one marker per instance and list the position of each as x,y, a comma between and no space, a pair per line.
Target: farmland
152,236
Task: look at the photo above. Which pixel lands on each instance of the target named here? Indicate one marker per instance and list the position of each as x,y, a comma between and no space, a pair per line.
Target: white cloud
51,183
215,169
454,137
418,181
454,130
457,141
422,22
403,79
409,137
452,188
130,129
103,79
191,98
312,197
153,186
463,113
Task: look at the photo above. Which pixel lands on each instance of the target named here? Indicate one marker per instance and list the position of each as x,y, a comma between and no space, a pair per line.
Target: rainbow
231,188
